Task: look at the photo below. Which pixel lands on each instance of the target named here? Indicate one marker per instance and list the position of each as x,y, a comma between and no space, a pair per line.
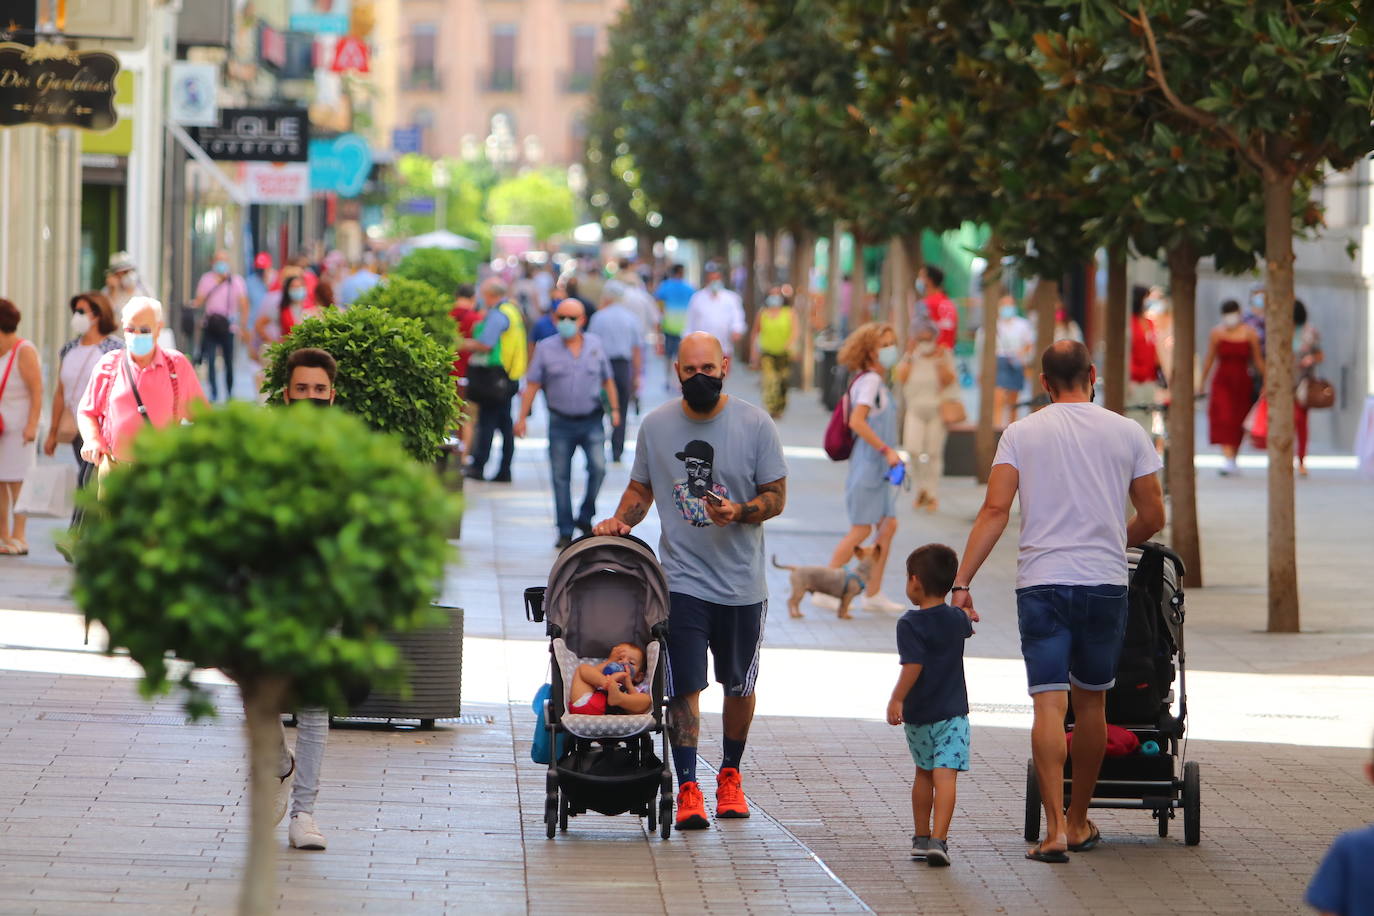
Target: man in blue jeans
572,369
1074,465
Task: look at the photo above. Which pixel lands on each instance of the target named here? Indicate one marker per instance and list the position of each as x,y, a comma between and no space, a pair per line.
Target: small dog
843,584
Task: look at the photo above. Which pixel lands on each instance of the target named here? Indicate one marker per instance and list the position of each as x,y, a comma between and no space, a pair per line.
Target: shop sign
257,135
407,139
55,85
418,206
340,164
275,182
271,46
350,54
193,90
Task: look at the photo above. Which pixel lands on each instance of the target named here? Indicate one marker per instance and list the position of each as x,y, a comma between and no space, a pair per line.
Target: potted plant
395,377
440,268
313,538
414,299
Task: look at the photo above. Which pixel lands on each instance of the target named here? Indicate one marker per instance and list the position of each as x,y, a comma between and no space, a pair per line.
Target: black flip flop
1094,837
1053,856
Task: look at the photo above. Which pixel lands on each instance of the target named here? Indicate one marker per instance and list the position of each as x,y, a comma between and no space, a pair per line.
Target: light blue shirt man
358,283
619,329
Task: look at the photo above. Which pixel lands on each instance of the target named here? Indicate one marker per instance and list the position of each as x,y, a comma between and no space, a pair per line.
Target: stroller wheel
653,818
1163,815
1032,831
551,815
665,816
1192,803
563,807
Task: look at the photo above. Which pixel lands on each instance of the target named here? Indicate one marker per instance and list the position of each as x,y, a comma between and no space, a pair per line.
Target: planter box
449,467
435,659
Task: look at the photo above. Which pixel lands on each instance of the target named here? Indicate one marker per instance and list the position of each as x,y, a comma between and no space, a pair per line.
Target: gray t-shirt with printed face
731,454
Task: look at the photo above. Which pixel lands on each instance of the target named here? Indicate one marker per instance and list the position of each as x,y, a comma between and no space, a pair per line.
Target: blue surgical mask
567,328
1257,302
773,301
921,286
888,356
140,344
1007,311
716,286
297,293
221,267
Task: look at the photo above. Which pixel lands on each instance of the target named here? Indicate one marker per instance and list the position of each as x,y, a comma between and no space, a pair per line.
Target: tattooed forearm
634,505
768,504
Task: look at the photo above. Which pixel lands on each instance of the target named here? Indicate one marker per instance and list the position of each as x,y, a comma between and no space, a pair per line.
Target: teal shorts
940,745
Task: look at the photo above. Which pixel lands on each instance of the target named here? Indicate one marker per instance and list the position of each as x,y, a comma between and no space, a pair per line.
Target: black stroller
1142,702
603,591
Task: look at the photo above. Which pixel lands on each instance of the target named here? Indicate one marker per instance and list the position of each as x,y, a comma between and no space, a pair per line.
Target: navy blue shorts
733,633
1071,634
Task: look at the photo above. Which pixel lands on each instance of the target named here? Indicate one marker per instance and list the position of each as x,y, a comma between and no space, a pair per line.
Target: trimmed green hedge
415,299
440,268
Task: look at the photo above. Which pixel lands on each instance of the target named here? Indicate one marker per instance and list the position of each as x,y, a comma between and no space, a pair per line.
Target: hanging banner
275,183
192,94
55,85
340,164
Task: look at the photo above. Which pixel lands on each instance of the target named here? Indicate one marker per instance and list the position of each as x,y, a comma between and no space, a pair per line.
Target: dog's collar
848,575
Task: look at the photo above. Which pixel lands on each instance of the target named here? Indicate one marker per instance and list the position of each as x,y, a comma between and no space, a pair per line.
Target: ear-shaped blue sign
340,164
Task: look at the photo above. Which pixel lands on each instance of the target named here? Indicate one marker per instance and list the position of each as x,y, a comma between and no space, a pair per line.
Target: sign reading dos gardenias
51,84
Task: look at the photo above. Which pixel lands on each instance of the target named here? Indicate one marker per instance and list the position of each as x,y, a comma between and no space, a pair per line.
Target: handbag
1316,393
5,380
839,438
48,491
953,412
489,384
67,430
1257,424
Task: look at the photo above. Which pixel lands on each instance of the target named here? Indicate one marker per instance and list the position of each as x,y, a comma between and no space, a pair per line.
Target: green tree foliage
463,199
275,545
440,268
534,198
392,374
415,299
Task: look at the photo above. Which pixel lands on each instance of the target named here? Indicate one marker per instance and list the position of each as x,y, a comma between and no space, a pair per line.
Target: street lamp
439,175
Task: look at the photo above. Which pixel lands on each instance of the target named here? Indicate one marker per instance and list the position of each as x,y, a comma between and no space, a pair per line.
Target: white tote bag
48,491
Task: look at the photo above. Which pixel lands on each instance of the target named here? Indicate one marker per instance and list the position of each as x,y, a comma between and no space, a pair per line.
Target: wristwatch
959,588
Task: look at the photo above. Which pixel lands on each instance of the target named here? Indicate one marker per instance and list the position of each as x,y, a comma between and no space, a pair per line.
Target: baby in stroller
616,686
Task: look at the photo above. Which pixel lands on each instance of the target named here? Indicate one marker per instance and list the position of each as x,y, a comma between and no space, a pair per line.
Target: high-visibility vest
512,349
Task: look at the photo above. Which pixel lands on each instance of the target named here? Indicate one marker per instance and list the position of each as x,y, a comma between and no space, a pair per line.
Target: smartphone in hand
715,497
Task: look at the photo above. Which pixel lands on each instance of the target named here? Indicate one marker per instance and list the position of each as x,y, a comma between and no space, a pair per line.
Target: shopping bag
48,491
1257,424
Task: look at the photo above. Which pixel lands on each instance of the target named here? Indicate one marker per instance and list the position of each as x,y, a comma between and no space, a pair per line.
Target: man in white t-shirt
1074,465
716,310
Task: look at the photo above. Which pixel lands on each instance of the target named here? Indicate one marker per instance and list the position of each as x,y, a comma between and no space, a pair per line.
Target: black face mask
321,402
702,392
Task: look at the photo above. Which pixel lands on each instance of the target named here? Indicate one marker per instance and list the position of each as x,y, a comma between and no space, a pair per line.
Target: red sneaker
730,800
691,808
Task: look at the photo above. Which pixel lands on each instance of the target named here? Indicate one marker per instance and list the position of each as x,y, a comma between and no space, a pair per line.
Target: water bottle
896,474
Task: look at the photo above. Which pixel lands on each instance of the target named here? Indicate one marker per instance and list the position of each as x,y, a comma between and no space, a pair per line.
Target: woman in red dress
1233,348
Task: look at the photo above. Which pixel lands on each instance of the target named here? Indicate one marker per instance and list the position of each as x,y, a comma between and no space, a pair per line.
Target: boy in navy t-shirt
1344,882
930,698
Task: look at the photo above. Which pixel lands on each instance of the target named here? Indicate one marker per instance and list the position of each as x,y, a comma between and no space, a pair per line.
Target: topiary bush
276,545
440,268
391,374
418,300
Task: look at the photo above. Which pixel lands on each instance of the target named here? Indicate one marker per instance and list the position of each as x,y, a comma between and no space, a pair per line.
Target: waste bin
830,376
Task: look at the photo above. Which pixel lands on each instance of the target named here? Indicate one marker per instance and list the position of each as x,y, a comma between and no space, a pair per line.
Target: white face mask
129,282
1230,319
81,323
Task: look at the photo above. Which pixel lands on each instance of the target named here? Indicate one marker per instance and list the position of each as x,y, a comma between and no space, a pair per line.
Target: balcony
577,82
423,79
499,80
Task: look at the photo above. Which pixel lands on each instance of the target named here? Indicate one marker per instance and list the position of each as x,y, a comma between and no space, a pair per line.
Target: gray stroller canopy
603,591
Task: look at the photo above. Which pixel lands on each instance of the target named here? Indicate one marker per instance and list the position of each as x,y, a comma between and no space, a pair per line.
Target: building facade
507,80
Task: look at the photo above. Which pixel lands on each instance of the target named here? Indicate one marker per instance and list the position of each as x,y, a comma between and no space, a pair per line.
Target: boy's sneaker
919,846
730,800
303,833
691,808
937,853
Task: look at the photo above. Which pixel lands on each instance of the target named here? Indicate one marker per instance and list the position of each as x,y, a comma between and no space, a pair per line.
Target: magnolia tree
1287,88
315,538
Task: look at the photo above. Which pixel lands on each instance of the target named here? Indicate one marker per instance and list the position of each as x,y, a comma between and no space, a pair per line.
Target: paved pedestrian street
112,804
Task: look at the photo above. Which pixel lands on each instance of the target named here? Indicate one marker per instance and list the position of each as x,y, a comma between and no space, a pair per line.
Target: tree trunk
751,279
898,282
832,277
915,257
985,438
263,700
1114,330
1045,296
768,259
858,287
1182,476
1278,389
803,253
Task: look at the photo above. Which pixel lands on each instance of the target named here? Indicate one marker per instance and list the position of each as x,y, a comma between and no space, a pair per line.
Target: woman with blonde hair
870,498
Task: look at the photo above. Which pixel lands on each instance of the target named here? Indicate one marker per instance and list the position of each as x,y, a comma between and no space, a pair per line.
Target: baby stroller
603,591
1142,702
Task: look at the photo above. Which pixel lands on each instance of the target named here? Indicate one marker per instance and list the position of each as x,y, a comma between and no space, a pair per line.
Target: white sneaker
882,604
281,799
303,833
825,602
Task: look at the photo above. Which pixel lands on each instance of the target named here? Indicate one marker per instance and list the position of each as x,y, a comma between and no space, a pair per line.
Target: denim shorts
1071,635
939,745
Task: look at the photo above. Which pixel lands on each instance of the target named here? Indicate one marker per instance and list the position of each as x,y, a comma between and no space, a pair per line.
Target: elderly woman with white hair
144,384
